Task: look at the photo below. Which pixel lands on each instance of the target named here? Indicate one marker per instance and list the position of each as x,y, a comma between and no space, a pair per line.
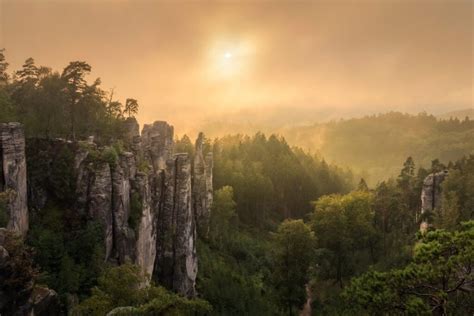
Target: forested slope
376,145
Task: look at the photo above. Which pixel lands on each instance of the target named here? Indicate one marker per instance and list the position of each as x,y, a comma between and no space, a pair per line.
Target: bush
120,291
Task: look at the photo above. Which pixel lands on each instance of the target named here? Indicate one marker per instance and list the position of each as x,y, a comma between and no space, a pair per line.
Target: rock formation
146,197
157,143
176,264
431,196
13,175
202,186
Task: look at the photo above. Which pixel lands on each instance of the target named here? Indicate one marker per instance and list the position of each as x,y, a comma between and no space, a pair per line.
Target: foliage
271,181
223,215
110,155
345,234
234,266
131,107
18,272
68,250
135,211
123,286
53,104
293,248
62,177
235,278
458,195
438,281
184,145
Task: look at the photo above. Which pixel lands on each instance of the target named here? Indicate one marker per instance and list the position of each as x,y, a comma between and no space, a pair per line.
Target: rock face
145,251
157,143
176,264
431,196
202,187
13,175
146,197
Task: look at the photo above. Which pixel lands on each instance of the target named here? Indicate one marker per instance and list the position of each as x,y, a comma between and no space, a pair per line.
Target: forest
374,146
288,226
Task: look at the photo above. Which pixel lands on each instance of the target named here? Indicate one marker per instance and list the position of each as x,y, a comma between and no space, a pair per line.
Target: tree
362,186
17,270
293,253
29,72
437,166
74,76
184,145
114,108
343,225
222,214
3,68
439,280
123,286
131,107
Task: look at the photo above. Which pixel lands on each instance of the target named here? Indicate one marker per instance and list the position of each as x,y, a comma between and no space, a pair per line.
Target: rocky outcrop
157,143
124,172
13,175
132,137
202,186
431,197
146,198
176,263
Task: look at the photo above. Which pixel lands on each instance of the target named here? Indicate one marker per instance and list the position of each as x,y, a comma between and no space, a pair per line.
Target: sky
191,62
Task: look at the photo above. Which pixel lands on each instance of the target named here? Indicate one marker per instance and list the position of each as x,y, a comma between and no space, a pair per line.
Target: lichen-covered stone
13,175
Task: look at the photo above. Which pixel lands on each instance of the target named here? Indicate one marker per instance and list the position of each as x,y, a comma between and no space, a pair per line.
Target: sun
228,59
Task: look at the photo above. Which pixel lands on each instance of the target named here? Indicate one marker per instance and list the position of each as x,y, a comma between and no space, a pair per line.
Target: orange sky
340,56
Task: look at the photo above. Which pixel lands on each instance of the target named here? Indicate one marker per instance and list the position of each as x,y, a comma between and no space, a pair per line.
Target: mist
311,60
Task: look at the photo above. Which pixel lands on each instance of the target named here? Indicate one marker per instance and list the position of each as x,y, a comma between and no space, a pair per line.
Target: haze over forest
256,64
254,157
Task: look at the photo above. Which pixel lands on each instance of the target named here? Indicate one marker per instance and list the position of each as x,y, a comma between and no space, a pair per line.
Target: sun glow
229,60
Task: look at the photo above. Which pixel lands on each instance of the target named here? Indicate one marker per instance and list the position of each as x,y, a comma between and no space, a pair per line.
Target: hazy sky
189,60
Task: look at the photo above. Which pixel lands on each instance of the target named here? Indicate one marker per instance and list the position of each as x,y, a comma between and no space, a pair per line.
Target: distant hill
376,146
459,114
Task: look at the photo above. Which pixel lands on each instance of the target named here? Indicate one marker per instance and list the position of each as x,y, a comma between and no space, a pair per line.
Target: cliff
148,199
13,175
431,197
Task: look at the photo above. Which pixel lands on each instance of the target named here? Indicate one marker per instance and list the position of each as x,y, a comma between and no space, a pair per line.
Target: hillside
376,145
